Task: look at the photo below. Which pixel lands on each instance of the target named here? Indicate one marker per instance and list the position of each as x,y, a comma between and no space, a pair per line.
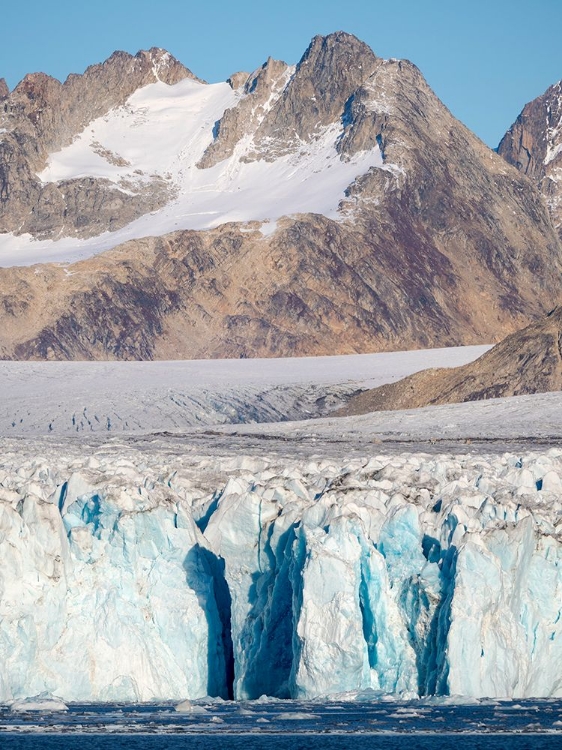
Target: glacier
141,573
83,397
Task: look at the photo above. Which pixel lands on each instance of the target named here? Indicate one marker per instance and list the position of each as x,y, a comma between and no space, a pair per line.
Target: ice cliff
133,575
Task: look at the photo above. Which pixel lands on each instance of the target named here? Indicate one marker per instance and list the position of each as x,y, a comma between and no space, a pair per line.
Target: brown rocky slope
445,244
528,361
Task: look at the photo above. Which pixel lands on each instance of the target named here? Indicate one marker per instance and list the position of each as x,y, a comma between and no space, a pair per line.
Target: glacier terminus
139,574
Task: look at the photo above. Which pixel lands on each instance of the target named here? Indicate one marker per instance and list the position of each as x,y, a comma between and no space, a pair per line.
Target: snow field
161,133
77,397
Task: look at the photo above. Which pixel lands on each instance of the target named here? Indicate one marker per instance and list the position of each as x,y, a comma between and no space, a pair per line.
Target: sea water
288,725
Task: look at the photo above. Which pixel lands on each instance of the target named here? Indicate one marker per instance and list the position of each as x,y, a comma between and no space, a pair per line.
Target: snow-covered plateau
137,572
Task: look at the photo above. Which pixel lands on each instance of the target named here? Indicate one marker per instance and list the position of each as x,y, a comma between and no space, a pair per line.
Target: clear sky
484,58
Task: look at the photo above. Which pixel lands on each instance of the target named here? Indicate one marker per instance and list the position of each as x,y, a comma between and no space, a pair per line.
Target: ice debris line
134,576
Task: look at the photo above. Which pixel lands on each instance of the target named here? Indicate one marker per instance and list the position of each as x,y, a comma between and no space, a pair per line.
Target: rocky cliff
401,229
533,144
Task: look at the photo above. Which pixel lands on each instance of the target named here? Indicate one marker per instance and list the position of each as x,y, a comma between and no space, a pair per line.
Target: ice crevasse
141,577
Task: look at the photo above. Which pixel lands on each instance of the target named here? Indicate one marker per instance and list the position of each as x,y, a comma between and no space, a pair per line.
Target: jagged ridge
533,144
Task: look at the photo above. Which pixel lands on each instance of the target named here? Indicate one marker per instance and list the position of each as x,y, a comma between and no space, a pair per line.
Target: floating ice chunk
451,700
41,702
187,707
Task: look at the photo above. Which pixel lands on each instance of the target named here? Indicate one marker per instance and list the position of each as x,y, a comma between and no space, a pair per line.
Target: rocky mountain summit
332,207
529,361
41,116
533,144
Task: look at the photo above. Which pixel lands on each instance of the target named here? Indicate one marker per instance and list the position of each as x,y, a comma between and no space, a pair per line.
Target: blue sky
485,59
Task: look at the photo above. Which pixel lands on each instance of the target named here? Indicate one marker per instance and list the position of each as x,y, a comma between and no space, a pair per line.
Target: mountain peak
533,144
33,83
340,40
155,63
336,59
332,68
166,67
238,79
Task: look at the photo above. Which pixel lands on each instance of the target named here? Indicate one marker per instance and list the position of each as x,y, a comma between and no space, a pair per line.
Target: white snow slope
73,397
141,574
162,132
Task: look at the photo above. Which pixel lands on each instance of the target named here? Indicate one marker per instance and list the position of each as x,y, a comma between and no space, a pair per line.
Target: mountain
533,145
332,207
41,117
528,361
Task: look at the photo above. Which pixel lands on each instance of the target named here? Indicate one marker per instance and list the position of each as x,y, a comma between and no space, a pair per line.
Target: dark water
283,742
289,725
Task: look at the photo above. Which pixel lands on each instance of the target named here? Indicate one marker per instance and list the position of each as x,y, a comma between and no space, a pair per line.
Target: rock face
331,70
529,361
436,240
293,106
41,116
260,90
533,144
205,294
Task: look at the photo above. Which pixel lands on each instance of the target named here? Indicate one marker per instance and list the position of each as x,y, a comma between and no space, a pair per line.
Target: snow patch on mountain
553,132
552,152
161,134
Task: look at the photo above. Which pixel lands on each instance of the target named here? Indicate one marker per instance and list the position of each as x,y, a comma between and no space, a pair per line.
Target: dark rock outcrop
533,145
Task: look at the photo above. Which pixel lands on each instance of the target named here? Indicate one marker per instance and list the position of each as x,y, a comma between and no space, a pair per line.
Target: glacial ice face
112,600
129,575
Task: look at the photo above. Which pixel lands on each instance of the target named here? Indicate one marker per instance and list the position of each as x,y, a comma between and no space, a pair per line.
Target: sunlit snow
162,132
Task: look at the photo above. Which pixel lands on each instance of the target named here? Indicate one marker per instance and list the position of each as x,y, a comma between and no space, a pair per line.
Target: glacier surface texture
135,574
